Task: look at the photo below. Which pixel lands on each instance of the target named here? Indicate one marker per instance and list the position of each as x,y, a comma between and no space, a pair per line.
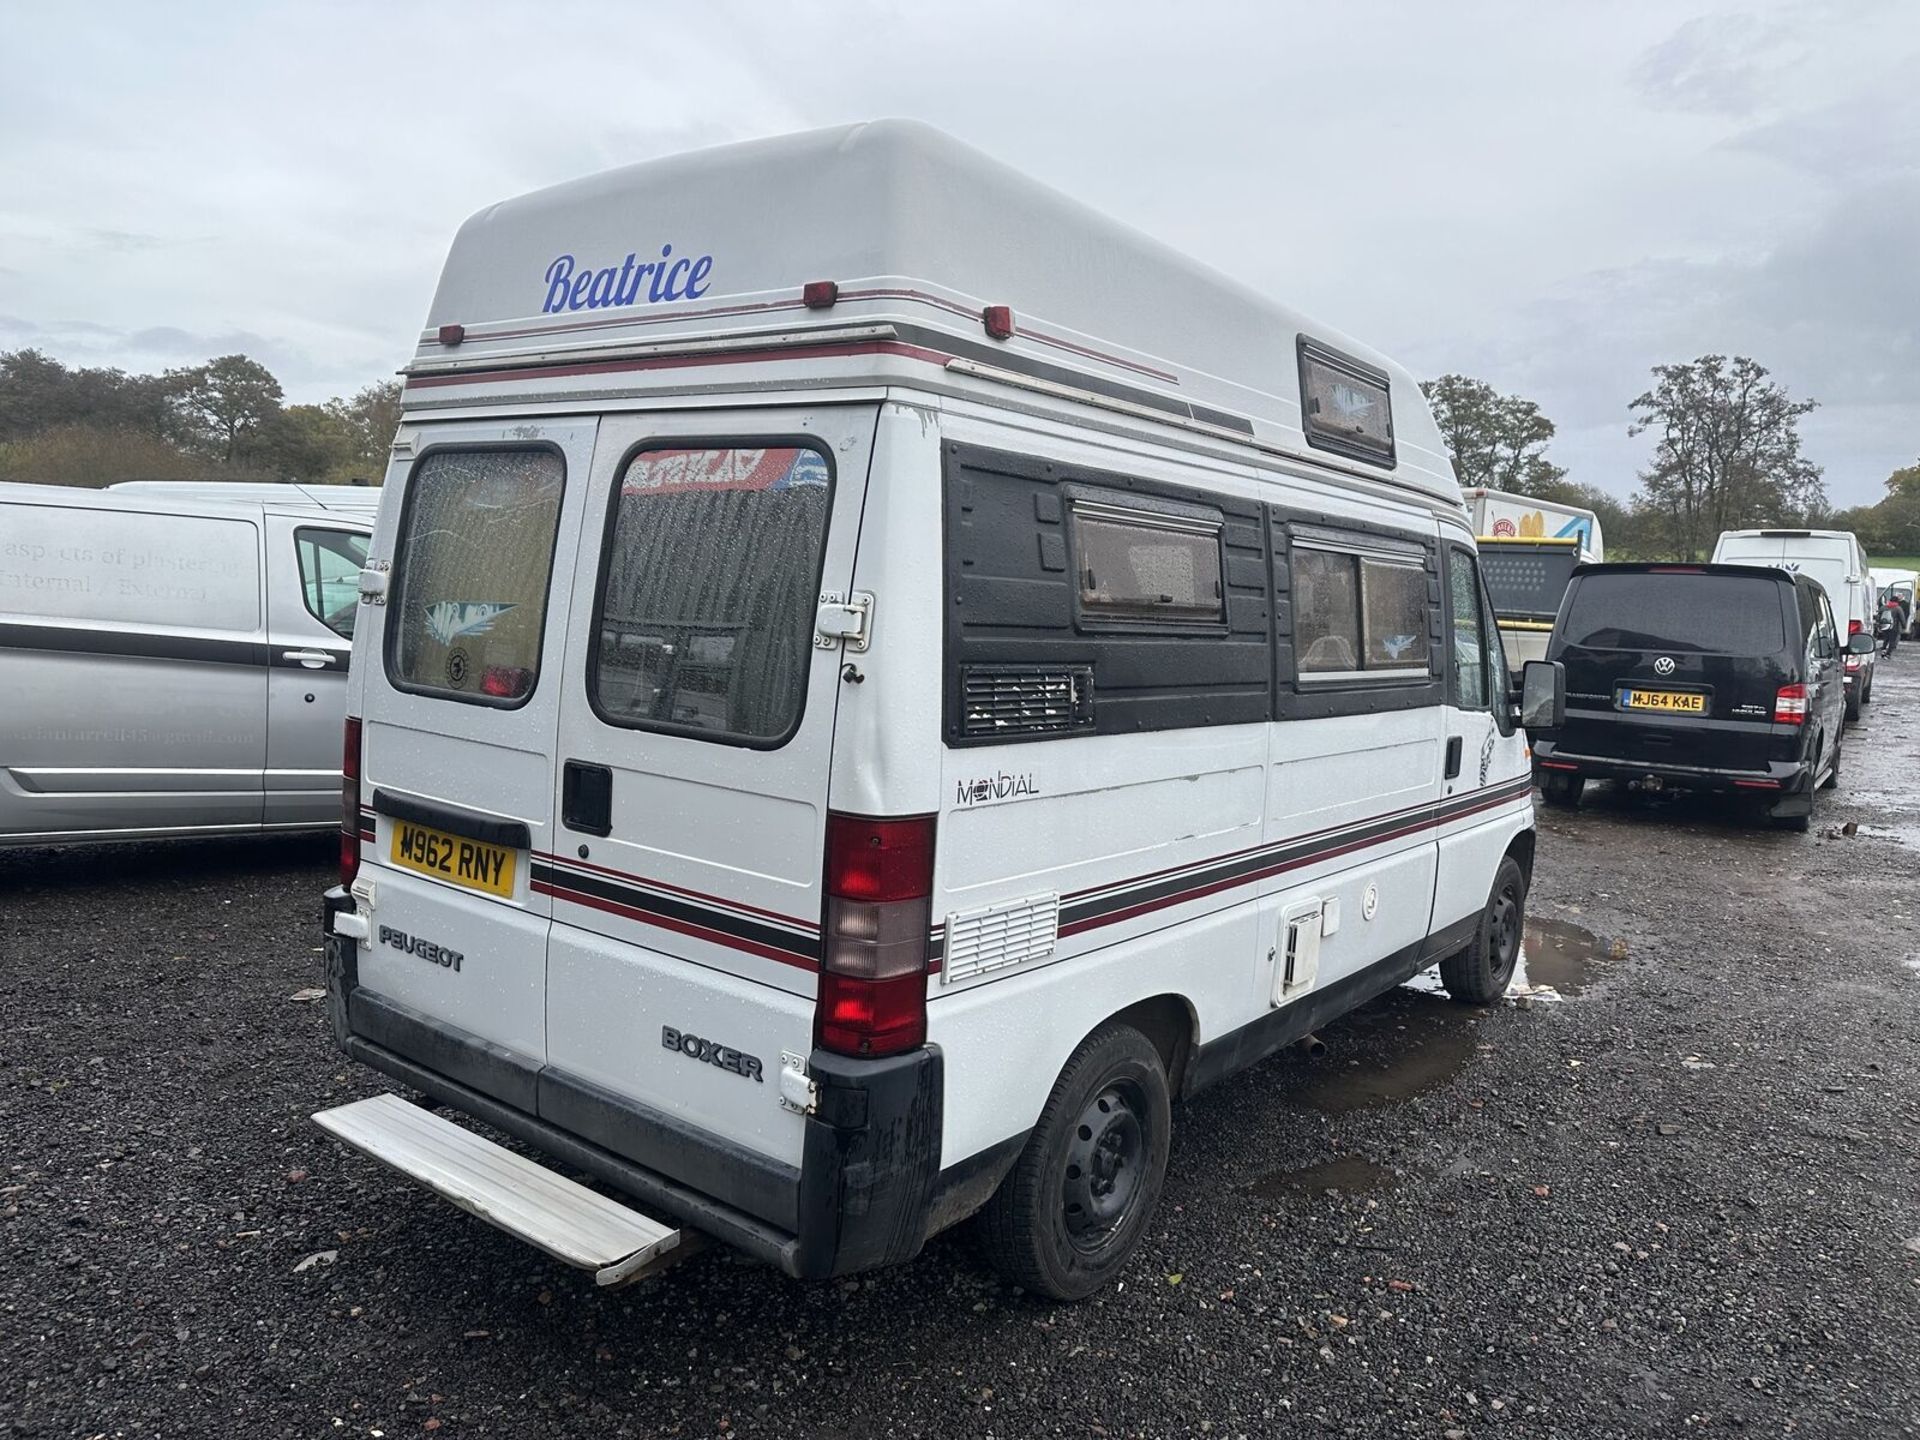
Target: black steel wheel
1480,974
1078,1199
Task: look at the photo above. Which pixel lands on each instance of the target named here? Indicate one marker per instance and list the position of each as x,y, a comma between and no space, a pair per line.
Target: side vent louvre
981,940
1025,699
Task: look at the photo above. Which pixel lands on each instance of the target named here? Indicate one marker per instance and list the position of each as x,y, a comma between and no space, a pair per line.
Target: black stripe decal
137,646
672,907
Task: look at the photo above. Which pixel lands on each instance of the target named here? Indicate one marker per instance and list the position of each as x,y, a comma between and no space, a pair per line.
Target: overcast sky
1553,197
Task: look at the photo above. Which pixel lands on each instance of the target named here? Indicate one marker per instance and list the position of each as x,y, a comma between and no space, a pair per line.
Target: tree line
1726,456
1725,434
225,420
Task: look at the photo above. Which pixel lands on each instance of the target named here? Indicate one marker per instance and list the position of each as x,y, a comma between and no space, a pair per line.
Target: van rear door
696,728
1633,640
462,675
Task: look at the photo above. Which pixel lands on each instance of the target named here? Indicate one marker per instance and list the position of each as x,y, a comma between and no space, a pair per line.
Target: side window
1138,567
1358,614
1467,635
710,581
330,562
472,568
1827,643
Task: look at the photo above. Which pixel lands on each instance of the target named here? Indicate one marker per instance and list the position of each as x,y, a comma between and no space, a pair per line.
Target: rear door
696,728
313,602
463,678
1676,666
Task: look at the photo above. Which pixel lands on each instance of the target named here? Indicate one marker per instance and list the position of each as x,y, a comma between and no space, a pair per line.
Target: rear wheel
1480,974
1853,704
1564,790
1078,1199
1833,776
1866,685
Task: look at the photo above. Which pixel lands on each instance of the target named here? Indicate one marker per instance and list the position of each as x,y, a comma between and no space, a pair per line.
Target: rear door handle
586,798
1454,743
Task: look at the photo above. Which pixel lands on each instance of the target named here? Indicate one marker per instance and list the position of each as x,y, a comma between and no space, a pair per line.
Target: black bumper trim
681,1203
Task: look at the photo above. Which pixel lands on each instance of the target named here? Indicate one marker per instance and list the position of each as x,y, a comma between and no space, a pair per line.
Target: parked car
1835,560
1723,678
173,665
850,725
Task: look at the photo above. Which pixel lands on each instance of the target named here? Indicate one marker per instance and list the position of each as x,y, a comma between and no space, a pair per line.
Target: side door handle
586,798
312,659
1454,745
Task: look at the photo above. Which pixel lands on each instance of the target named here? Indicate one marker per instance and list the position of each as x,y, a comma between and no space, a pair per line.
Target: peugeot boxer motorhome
873,679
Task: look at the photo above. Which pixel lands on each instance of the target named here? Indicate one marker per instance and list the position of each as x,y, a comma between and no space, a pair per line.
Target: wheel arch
1522,848
1169,1022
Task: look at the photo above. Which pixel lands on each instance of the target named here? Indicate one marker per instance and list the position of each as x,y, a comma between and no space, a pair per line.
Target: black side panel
1253,1042
457,1054
871,1161
1293,700
1010,601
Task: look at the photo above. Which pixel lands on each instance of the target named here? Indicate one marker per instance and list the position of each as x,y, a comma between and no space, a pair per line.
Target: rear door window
710,582
473,563
1654,610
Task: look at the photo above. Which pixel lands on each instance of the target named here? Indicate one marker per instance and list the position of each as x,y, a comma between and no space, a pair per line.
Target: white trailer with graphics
873,680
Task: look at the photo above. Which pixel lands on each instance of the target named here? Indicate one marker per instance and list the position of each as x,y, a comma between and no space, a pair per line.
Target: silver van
173,664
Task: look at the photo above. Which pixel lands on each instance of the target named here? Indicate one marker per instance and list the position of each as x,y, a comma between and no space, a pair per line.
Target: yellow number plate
473,864
1674,700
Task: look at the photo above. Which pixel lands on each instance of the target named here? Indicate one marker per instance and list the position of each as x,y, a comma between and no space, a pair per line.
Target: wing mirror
1860,643
1543,695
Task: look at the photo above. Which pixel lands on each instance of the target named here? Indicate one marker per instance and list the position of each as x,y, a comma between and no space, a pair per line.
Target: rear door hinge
843,618
798,1090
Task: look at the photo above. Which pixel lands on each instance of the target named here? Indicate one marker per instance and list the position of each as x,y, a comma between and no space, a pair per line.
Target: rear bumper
1780,780
869,1190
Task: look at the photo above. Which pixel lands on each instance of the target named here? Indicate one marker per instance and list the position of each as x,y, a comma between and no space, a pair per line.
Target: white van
854,714
1834,559
172,665
354,499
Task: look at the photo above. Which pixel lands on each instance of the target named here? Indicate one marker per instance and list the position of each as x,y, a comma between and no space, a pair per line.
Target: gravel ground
1685,1198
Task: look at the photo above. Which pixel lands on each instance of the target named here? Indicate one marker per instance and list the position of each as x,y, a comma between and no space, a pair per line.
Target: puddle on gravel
1408,1044
1348,1173
1555,954
1899,834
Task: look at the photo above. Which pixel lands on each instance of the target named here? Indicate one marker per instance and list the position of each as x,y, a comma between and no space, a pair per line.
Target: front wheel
1480,974
1078,1199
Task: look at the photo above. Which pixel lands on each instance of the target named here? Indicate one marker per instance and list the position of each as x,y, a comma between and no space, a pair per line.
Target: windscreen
1702,614
1527,583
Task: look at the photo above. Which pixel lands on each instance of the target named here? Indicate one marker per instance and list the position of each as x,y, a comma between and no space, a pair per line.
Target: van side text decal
989,788
571,288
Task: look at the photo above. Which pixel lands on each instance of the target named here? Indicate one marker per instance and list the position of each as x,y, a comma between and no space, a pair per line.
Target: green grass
1894,562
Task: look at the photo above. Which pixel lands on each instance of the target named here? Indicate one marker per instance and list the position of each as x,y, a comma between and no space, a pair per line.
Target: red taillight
820,294
998,320
452,334
878,911
1790,705
350,802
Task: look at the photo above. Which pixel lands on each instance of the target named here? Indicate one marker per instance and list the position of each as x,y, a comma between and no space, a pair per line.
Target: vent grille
1025,700
992,939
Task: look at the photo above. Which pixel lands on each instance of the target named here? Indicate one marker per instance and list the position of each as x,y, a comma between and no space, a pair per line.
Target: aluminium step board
566,1219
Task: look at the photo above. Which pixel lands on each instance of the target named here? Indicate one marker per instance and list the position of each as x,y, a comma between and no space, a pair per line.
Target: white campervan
873,680
1832,558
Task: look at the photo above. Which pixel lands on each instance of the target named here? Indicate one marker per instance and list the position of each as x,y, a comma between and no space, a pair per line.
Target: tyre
1080,1196
1797,824
1832,781
1866,685
1564,790
1480,974
1853,706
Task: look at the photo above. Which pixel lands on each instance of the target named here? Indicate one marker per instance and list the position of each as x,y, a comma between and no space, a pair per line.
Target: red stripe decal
566,862
680,927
